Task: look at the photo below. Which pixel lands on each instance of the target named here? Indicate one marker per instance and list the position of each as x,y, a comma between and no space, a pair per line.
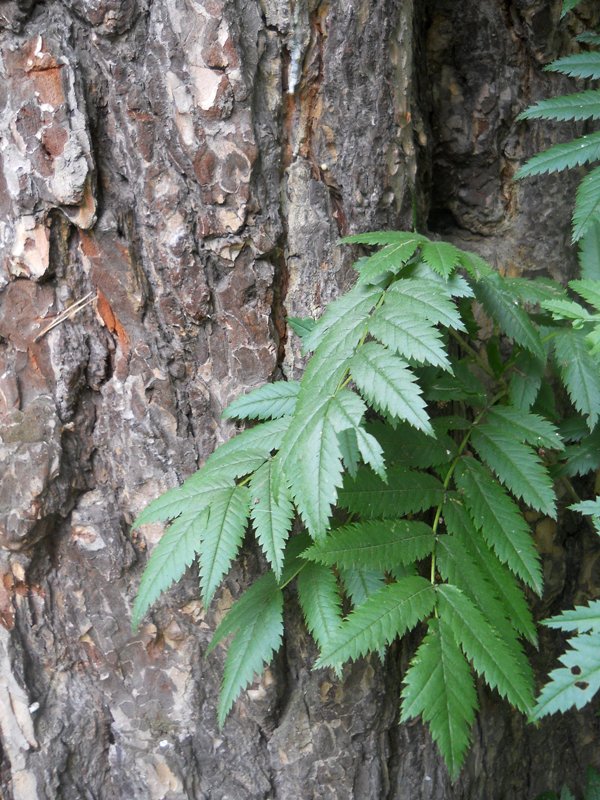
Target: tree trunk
188,166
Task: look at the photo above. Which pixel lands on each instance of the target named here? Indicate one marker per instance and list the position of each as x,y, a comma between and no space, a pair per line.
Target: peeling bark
192,164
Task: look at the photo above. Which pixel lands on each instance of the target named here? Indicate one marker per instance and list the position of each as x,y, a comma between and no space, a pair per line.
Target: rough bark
191,164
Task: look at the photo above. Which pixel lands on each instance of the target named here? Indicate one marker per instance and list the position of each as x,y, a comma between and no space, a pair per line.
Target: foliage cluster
392,485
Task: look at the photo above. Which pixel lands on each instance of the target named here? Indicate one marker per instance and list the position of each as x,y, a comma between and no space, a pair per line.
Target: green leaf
320,601
587,203
588,37
584,457
581,618
525,427
270,401
500,521
374,545
503,307
579,373
566,155
390,259
301,326
517,467
576,682
390,612
169,560
371,452
405,492
221,536
186,499
441,257
315,473
438,686
413,338
589,290
361,583
588,507
565,309
579,105
534,290
491,656
343,317
592,784
589,252
414,297
476,266
388,384
293,561
272,519
463,385
579,65
526,379
459,524
454,286
256,619
349,450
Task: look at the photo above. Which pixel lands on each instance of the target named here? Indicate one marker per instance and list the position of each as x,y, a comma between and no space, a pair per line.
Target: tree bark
188,166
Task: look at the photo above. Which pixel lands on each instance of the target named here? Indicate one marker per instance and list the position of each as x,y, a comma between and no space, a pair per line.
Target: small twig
68,313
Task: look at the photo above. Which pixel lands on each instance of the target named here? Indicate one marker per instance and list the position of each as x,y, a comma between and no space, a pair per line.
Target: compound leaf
390,612
492,657
404,492
439,686
374,545
271,401
442,257
579,372
415,339
256,620
587,203
566,155
579,65
221,536
272,519
320,601
169,560
389,385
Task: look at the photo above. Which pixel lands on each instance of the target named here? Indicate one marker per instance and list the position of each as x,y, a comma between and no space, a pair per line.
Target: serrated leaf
374,545
575,683
381,237
169,560
256,619
579,65
415,339
349,450
361,583
588,37
441,257
463,385
293,561
272,519
476,266
389,385
457,568
487,564
588,507
503,307
534,290
343,316
565,309
315,473
525,427
582,458
185,499
371,452
413,297
438,686
405,492
501,523
566,155
589,290
320,602
325,371
584,619
270,401
454,286
391,258
589,252
221,536
579,372
301,326
490,655
517,467
526,379
579,105
587,203
390,612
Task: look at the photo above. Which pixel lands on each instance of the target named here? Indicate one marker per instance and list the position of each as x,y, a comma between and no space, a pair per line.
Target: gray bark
192,164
